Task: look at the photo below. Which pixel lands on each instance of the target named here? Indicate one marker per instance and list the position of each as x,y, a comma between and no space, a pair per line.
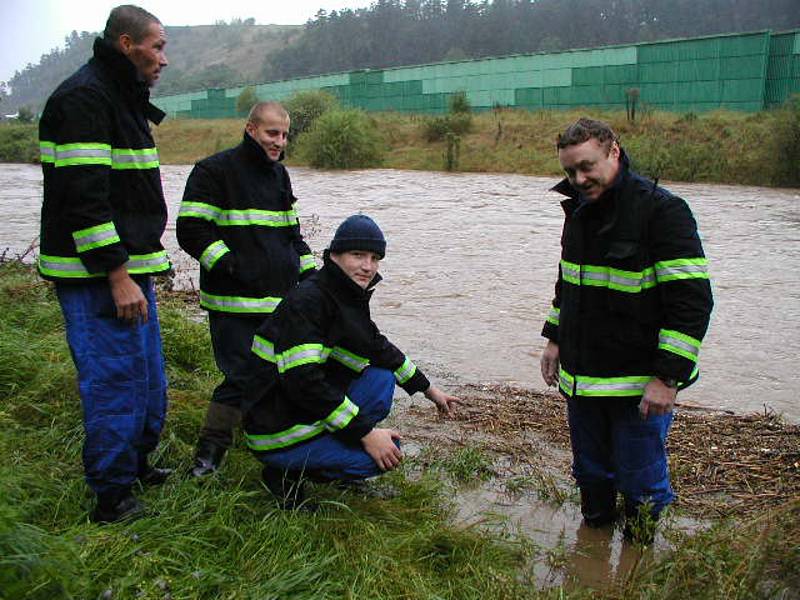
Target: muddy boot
113,507
287,487
598,504
207,458
215,438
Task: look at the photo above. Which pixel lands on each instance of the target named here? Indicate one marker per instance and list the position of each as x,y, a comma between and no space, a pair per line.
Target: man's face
590,167
270,131
148,56
359,265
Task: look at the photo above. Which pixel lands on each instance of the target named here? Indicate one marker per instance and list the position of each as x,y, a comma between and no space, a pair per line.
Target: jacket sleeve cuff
216,253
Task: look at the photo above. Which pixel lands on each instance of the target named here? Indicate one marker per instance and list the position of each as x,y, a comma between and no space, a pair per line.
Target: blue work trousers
329,457
121,381
613,446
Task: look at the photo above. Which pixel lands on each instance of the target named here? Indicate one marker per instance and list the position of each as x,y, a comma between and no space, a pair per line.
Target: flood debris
722,464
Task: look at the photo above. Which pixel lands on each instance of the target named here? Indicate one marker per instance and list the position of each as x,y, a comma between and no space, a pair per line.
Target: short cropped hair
258,110
583,130
129,19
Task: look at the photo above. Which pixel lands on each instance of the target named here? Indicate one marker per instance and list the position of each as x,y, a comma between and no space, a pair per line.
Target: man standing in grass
324,376
632,304
238,220
102,220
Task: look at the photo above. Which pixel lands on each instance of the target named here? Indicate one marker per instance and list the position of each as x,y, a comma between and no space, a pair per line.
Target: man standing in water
632,304
324,376
238,220
102,220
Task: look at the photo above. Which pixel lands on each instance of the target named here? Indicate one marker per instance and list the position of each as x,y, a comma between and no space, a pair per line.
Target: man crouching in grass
324,375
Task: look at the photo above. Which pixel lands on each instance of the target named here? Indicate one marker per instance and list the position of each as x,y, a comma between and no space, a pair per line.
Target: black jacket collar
338,281
124,73
253,151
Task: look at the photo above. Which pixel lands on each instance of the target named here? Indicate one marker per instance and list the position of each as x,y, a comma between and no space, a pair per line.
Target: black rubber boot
114,507
287,487
149,475
598,504
207,458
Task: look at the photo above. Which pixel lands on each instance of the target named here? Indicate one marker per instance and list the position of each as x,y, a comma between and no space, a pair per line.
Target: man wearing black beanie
324,375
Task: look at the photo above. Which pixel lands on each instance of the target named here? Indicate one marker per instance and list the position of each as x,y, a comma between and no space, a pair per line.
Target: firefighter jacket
103,202
306,355
633,297
238,219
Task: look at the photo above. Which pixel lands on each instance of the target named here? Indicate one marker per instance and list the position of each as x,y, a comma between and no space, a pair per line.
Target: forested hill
200,57
402,32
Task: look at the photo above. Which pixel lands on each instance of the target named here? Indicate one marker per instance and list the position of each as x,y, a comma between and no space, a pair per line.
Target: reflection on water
471,263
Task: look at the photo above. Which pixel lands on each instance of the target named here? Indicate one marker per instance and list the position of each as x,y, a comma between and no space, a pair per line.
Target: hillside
202,56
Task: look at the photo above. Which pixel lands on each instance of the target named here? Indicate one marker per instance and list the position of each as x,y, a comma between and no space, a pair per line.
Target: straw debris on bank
722,464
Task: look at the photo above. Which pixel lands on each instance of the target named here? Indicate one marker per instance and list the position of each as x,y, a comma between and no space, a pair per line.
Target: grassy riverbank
224,538
718,147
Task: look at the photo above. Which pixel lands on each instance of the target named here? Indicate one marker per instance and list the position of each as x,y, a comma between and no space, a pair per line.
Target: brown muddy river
471,262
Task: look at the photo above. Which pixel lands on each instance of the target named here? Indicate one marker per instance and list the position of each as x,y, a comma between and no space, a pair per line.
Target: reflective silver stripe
682,268
264,348
257,217
95,237
302,355
223,218
199,210
71,267
47,152
148,263
679,343
405,372
67,155
213,253
349,359
603,276
238,304
584,385
128,158
342,415
339,418
307,262
570,272
555,316
292,436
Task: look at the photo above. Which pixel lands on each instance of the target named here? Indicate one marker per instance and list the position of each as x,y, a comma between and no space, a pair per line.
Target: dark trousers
231,339
328,457
614,449
121,381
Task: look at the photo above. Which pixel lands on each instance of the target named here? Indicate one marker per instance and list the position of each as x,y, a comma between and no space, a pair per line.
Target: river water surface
472,258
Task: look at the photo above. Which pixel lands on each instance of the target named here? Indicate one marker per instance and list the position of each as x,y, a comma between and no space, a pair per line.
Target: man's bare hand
445,403
549,363
379,444
658,398
128,297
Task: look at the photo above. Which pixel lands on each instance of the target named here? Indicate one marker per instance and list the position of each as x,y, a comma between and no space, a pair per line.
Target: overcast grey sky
30,28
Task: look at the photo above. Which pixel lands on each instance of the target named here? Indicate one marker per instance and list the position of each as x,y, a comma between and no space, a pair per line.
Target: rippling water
471,263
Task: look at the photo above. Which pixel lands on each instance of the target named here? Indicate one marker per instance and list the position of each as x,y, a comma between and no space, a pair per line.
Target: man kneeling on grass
324,375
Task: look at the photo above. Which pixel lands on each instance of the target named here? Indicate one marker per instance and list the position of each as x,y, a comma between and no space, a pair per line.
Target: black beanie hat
359,232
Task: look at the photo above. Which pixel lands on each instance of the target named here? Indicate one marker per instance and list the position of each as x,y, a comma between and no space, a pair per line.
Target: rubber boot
207,458
116,506
598,504
215,438
287,487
